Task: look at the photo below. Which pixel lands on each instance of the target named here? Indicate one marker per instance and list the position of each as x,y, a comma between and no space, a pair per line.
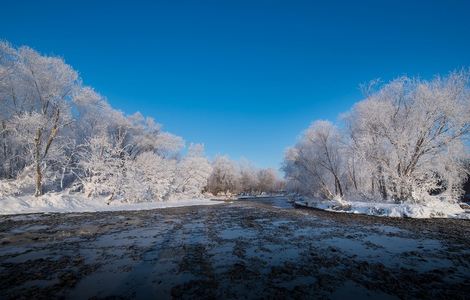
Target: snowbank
432,209
64,203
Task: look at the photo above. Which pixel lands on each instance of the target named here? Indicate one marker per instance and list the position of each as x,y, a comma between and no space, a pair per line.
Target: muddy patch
245,249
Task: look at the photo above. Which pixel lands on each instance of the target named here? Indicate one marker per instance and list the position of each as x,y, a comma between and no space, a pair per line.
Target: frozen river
247,248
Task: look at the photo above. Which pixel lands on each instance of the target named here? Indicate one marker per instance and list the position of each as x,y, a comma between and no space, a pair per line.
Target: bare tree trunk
37,161
4,130
383,188
381,184
62,178
372,185
53,134
38,156
338,184
353,174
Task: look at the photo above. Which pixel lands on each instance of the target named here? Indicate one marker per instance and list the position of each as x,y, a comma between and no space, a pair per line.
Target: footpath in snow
67,203
432,209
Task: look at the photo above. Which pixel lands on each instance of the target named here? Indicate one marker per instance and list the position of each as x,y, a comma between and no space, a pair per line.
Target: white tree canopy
403,142
56,133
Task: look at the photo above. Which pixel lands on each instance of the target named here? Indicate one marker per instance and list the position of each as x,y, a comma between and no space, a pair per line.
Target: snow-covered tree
230,177
37,92
151,177
224,177
317,160
248,179
56,133
403,142
410,134
130,158
267,180
193,172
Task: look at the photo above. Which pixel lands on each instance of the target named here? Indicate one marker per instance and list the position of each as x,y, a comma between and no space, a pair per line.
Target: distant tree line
229,177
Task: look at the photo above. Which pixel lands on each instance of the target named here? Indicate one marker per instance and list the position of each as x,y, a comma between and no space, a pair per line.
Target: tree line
57,134
229,177
405,142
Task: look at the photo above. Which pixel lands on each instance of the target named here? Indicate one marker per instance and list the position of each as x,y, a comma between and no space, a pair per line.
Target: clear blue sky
242,77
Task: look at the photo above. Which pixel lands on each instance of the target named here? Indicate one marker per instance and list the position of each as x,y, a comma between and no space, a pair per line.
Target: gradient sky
242,77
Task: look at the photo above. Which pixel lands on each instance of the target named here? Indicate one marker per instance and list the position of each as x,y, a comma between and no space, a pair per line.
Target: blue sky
242,77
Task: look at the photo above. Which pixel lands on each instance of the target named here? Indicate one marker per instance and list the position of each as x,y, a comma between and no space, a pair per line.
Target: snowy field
244,249
65,203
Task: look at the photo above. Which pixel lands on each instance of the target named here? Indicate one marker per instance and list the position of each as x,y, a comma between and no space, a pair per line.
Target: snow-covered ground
64,203
432,209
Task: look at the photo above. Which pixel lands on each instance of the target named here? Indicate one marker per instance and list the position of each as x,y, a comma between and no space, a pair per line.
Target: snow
66,203
431,209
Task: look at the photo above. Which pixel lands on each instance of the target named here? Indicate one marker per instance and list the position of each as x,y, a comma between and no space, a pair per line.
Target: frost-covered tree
248,179
230,177
103,163
317,160
403,142
267,180
192,172
37,92
224,177
410,135
56,133
144,134
151,177
132,159
299,179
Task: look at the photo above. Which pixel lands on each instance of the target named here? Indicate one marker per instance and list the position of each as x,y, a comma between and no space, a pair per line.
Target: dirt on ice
245,249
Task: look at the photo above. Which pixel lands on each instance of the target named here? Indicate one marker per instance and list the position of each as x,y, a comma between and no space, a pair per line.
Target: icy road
250,248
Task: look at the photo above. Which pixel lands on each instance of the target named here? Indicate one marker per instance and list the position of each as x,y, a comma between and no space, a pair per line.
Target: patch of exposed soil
252,249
